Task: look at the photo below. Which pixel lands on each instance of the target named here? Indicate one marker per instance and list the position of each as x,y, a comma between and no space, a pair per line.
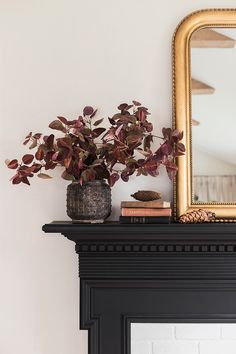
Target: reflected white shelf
209,38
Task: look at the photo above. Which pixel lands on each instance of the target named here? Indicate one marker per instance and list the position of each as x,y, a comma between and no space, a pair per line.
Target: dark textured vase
89,203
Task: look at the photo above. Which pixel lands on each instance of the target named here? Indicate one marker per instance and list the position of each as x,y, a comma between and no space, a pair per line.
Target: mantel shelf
115,231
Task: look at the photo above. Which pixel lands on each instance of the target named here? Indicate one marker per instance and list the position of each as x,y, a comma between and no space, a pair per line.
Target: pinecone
197,216
146,196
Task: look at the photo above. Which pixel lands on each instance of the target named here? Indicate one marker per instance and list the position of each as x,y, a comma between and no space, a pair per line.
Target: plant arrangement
86,151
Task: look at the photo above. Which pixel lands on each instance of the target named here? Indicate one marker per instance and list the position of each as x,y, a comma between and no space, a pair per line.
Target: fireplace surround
151,273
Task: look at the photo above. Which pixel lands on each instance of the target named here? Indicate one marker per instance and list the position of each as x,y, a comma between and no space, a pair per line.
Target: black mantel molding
151,273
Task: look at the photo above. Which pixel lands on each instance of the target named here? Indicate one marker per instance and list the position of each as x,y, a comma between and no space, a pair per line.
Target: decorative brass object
182,117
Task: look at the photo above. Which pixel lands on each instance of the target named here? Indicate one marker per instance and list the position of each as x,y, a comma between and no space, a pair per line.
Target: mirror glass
213,97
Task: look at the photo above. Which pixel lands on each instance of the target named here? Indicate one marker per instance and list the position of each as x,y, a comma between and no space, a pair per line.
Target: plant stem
159,137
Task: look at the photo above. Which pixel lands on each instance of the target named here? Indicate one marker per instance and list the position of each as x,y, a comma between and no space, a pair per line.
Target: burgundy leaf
149,127
122,106
37,136
33,145
141,162
181,147
166,148
88,111
65,175
49,140
101,171
171,169
71,122
26,141
181,135
112,121
63,120
85,131
125,176
25,170
177,153
133,139
36,167
16,180
55,156
97,122
13,164
127,118
57,125
88,175
48,156
50,165
79,123
116,117
39,154
158,156
27,159
171,165
147,141
98,131
80,136
142,115
80,164
113,179
44,176
151,167
64,142
29,135
167,132
118,130
25,180
136,103
178,135
171,173
143,152
67,161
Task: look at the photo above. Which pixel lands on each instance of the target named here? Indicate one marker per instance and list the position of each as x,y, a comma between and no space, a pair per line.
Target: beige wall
55,57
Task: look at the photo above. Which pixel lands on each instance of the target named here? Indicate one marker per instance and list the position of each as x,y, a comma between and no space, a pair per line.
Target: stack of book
154,212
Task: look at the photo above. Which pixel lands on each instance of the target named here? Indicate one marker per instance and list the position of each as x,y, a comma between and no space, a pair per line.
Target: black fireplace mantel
151,273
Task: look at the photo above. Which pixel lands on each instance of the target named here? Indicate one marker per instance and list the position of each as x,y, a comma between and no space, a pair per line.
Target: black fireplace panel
150,273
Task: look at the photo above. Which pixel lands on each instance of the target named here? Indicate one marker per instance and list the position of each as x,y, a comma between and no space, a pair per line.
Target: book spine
145,212
155,205
144,220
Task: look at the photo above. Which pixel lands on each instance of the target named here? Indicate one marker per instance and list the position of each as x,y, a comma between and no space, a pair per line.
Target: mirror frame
183,194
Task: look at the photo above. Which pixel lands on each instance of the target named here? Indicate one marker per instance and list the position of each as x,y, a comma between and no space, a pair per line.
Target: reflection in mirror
213,95
183,338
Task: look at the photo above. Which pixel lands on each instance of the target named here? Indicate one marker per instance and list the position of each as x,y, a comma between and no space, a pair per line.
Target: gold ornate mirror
204,107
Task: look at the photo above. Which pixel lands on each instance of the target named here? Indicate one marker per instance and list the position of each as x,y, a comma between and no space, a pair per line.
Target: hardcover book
145,220
152,204
145,212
